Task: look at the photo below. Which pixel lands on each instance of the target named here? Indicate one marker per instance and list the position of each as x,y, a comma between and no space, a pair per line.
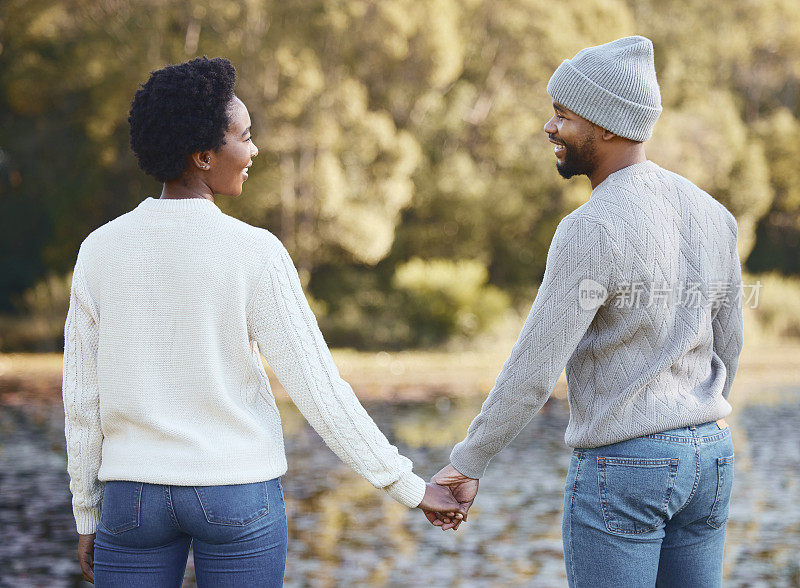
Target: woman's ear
201,159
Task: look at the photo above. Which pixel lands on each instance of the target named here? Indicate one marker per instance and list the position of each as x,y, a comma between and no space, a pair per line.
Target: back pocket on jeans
722,500
121,506
235,504
635,493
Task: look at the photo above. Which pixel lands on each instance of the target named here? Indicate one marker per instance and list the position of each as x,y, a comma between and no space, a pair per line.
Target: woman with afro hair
173,435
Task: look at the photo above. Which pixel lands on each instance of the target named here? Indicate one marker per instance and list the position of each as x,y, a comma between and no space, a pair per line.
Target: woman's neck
187,187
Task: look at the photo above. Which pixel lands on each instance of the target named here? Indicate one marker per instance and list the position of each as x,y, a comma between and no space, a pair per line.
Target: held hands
439,502
463,490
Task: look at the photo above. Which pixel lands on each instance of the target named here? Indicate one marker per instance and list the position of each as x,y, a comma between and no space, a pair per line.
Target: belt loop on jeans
695,438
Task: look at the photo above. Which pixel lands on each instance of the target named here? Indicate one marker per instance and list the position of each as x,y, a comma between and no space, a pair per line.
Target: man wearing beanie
641,301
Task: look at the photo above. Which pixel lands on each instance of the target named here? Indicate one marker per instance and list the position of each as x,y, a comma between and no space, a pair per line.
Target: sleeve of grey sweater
727,322
581,249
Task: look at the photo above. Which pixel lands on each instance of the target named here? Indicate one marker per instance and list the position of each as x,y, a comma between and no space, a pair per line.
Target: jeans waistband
703,433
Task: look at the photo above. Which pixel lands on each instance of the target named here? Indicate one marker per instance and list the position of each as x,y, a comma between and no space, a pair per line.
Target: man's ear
201,159
608,135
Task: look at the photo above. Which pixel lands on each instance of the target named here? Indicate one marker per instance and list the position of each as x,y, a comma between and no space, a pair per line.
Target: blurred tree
778,232
721,87
487,188
339,168
443,298
388,130
721,156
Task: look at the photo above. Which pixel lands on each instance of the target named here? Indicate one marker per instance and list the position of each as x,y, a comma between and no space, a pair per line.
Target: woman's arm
82,405
288,336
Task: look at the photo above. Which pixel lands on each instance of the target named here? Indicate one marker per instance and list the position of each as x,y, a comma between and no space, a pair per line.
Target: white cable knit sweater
660,352
170,305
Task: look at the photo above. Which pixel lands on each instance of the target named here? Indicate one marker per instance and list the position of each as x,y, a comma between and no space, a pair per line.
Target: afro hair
180,110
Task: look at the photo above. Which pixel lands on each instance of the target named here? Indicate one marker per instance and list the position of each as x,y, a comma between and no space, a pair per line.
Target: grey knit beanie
612,85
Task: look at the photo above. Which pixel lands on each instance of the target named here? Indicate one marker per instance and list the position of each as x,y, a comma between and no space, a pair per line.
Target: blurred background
403,164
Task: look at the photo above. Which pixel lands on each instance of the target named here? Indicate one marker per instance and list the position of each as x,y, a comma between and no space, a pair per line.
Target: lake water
342,532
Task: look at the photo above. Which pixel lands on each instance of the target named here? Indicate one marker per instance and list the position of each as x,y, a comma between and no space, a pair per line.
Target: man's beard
578,159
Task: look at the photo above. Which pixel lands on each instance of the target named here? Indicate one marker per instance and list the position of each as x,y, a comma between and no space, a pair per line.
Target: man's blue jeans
238,533
650,511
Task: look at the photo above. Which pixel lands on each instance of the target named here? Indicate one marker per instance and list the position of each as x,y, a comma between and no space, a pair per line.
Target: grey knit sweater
661,350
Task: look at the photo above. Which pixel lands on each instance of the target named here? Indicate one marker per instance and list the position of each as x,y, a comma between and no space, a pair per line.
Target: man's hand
439,502
86,556
464,490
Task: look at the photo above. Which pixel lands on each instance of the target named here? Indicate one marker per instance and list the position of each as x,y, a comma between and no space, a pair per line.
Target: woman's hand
439,502
86,556
463,488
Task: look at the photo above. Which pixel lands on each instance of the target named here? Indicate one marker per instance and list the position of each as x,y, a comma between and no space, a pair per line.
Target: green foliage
420,304
39,325
778,232
487,187
719,85
775,311
361,310
390,131
737,174
443,298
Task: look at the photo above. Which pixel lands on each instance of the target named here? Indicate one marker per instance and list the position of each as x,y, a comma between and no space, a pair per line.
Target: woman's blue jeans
650,511
238,534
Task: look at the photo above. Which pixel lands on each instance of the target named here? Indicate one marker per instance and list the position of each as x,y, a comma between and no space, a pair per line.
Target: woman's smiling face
227,167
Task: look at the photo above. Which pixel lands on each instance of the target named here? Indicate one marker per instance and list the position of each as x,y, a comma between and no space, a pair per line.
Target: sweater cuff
467,464
408,490
86,520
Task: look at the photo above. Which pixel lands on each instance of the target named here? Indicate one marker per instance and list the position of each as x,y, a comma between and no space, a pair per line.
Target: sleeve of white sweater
282,324
84,437
581,249
726,323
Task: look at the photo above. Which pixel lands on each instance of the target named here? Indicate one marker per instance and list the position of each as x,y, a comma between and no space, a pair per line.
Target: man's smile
559,148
